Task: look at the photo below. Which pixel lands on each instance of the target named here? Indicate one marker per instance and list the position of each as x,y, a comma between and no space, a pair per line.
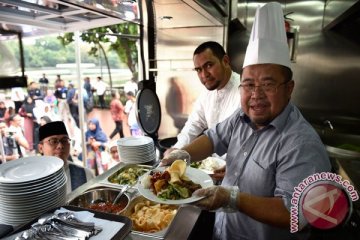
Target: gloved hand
175,155
168,151
218,174
218,198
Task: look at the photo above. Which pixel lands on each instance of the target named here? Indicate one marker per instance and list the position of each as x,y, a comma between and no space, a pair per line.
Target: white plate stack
29,187
136,149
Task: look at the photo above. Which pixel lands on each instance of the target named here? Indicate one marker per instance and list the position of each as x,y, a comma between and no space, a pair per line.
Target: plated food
209,165
173,185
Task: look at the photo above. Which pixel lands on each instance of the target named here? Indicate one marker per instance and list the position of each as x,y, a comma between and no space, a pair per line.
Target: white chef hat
268,42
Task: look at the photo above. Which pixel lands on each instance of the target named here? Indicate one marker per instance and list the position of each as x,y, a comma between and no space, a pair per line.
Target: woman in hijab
114,155
95,132
96,141
44,120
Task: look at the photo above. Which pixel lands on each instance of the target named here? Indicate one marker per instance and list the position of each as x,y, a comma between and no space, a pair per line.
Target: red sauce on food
108,207
160,175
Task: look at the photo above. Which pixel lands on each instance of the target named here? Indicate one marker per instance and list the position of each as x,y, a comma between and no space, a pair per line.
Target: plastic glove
216,198
218,174
168,151
175,155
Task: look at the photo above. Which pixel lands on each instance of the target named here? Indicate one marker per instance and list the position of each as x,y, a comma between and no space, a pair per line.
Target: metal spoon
45,218
86,226
47,232
123,190
71,232
69,217
27,234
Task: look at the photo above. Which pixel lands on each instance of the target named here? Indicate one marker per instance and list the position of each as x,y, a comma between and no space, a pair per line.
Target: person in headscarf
95,132
54,141
44,120
114,155
96,141
50,98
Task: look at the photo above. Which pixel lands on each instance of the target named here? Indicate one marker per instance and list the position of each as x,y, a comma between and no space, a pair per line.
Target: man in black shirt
43,84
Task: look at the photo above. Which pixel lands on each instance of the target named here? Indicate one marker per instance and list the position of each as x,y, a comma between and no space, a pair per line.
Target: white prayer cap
268,42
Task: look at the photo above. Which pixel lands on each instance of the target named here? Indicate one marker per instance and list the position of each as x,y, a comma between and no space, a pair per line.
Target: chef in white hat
270,147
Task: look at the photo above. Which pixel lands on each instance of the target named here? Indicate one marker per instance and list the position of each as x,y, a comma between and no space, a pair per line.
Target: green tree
121,38
47,52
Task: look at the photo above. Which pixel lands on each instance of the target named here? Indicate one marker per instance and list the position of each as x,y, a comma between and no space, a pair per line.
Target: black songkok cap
52,128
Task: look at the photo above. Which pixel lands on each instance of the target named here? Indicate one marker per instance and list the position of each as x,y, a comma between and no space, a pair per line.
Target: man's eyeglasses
268,88
55,141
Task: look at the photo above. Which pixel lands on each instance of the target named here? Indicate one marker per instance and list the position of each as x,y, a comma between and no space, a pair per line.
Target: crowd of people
25,112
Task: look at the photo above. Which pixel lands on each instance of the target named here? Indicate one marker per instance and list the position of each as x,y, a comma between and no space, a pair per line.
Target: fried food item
177,170
178,166
158,185
148,217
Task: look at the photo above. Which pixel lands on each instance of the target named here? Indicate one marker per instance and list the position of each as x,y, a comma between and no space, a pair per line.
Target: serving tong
62,226
127,186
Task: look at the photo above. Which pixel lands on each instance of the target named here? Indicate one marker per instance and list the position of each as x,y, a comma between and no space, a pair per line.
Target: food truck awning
39,17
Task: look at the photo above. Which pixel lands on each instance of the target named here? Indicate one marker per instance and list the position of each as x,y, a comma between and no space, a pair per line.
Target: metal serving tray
134,198
108,181
130,209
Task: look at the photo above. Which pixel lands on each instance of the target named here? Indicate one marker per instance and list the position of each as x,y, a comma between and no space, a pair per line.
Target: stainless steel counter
180,228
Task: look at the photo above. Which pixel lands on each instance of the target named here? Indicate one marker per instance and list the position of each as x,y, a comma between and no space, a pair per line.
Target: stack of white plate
29,187
136,149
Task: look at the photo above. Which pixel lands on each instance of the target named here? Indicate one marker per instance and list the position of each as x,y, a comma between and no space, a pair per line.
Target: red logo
325,205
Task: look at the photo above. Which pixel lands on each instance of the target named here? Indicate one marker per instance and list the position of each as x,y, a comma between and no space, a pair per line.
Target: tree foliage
46,53
121,39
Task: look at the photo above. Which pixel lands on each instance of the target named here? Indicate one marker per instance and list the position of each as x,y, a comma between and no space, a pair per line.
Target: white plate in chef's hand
206,164
195,175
